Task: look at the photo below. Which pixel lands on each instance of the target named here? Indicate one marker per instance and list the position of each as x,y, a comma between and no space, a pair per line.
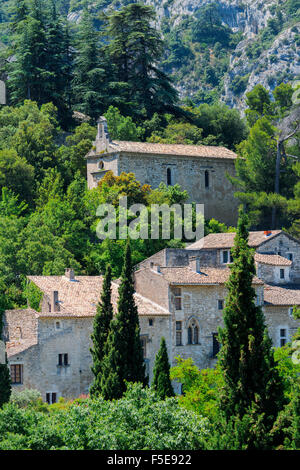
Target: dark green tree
5,382
123,361
246,358
135,48
161,373
102,322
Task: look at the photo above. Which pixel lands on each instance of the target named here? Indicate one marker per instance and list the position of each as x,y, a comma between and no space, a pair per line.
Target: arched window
169,177
193,332
206,178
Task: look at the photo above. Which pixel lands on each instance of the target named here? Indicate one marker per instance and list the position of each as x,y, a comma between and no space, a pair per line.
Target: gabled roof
79,298
203,151
207,276
282,295
273,260
226,240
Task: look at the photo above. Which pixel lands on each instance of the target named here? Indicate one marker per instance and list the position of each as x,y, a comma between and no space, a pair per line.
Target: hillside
215,49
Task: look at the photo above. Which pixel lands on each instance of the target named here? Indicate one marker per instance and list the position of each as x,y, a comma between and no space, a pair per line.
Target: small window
216,344
290,256
206,178
291,310
282,336
63,360
51,397
281,273
226,257
220,304
178,333
150,322
57,325
169,177
193,333
16,373
144,346
177,298
101,165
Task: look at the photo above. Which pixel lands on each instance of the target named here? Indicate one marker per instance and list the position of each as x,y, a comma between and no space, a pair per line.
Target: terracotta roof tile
203,151
226,240
282,295
185,275
273,260
79,298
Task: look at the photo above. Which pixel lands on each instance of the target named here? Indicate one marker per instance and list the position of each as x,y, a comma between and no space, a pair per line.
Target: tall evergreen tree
102,322
135,49
246,357
123,359
89,82
5,382
161,373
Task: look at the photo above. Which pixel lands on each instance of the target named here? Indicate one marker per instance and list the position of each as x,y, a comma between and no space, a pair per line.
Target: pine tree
161,373
135,49
246,358
123,359
102,322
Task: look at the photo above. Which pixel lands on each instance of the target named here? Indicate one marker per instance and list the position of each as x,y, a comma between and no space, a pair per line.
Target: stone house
180,294
200,170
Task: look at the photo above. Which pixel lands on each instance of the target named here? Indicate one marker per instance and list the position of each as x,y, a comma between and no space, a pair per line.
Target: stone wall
188,172
283,245
278,317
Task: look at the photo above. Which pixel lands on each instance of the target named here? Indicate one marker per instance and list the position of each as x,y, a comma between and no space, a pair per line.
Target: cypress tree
161,373
123,359
246,358
101,328
5,382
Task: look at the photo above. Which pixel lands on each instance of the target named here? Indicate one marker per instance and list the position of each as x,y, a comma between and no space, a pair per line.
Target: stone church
180,294
200,170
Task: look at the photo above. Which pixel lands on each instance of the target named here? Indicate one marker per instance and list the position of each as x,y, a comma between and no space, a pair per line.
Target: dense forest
64,64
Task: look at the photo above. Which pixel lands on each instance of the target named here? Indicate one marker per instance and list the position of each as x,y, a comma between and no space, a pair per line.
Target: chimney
195,264
54,304
69,273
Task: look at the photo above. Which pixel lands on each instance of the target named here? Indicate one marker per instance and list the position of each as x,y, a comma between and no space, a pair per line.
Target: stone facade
200,170
180,294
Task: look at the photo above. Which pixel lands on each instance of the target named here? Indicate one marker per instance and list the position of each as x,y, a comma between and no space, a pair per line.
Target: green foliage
161,373
138,421
251,380
33,295
122,128
5,384
123,360
100,333
200,387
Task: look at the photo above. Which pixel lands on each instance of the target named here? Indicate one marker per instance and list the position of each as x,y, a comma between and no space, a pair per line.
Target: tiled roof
16,347
274,260
208,275
288,295
79,298
167,149
226,240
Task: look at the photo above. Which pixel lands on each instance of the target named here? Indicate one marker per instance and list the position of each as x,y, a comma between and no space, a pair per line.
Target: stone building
180,294
198,169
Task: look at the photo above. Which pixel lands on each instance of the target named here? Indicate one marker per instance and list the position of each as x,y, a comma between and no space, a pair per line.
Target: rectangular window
281,273
282,336
177,298
291,309
226,257
178,333
16,373
51,397
63,360
220,304
216,344
150,322
290,256
144,346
